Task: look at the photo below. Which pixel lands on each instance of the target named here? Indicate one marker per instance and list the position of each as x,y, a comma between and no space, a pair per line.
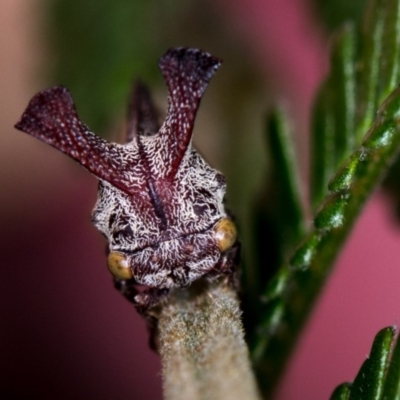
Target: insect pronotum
160,205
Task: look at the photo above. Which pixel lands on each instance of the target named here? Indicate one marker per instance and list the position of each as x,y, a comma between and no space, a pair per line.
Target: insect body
159,204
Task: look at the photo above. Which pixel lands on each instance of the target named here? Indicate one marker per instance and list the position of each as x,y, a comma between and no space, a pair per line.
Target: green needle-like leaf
391,390
323,145
334,115
390,61
286,179
379,376
379,63
279,217
343,91
369,382
342,392
368,66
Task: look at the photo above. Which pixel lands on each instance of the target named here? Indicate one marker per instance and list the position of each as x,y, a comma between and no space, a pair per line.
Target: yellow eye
118,266
225,234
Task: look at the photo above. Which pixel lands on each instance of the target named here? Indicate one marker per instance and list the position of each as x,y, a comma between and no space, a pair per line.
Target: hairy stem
202,347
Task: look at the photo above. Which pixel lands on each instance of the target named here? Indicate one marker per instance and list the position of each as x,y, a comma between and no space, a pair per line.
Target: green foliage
334,114
379,376
280,219
363,75
284,174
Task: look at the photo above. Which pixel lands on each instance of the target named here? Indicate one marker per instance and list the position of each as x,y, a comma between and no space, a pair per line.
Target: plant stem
202,347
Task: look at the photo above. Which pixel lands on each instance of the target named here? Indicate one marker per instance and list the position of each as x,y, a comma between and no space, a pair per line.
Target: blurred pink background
65,332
